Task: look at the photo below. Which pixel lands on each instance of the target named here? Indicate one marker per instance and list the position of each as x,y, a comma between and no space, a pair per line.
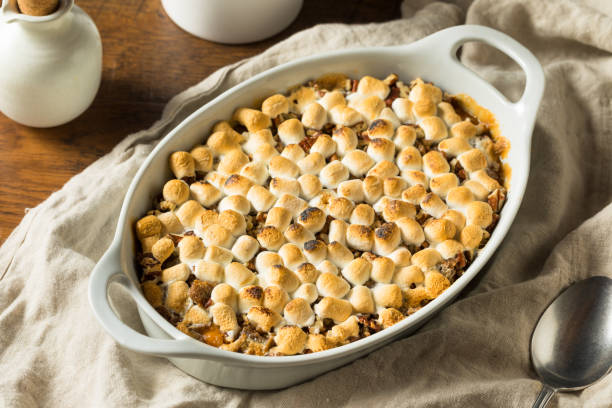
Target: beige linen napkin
474,353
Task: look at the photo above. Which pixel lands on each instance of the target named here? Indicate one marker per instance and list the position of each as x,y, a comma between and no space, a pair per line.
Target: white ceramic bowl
434,59
233,21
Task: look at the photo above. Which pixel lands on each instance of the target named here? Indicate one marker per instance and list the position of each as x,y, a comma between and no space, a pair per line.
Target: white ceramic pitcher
50,66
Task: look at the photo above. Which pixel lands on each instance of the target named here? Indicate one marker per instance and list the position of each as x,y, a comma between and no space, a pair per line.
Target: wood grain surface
147,60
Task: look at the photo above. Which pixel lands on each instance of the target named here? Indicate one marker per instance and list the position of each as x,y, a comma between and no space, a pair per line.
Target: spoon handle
545,395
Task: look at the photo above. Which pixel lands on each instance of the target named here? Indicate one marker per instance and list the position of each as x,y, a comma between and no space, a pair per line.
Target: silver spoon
571,346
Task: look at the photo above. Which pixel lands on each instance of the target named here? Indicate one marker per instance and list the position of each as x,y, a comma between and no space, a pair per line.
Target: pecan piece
200,292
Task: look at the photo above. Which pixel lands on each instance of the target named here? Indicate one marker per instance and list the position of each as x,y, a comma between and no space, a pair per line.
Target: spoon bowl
571,346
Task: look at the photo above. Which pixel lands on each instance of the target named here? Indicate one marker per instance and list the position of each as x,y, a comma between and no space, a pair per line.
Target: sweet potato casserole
328,214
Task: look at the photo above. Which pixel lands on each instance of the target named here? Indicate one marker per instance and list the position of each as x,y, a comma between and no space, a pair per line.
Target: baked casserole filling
328,214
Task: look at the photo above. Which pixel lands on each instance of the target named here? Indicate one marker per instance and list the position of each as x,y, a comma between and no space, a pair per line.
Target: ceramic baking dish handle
449,40
108,271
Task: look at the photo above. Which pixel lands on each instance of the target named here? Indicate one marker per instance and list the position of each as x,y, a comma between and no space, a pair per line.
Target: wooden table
147,60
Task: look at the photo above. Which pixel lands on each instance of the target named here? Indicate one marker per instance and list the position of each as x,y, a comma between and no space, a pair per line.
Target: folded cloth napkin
473,353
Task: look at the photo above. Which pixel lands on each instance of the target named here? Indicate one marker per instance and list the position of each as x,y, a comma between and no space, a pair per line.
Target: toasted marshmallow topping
343,199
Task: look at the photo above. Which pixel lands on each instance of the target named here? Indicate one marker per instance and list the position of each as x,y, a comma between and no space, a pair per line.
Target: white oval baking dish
434,59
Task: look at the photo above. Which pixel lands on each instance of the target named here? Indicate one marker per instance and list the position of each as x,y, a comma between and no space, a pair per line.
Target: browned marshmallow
217,235
190,248
162,249
386,238
360,237
459,197
338,254
340,208
206,194
237,184
381,149
209,271
260,198
290,340
404,136
175,273
275,298
372,86
315,251
282,277
408,276
263,318
435,283
218,254
170,223
388,295
337,231
363,214
293,152
275,105
182,165
298,235
265,259
176,296
393,186
311,164
333,308
307,291
292,256
381,128
433,205
448,114
257,172
314,117
382,269
414,194
232,162
361,299
383,170
176,192
426,258
291,131
329,284
471,236
342,332
442,183
411,231
434,128
358,162
438,230
248,297
333,174
434,163
390,316
280,166
372,189
270,238
252,119
473,160
346,140
278,217
351,189
233,221
403,109
310,186
313,219
225,294
479,213
299,313
357,272
306,272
